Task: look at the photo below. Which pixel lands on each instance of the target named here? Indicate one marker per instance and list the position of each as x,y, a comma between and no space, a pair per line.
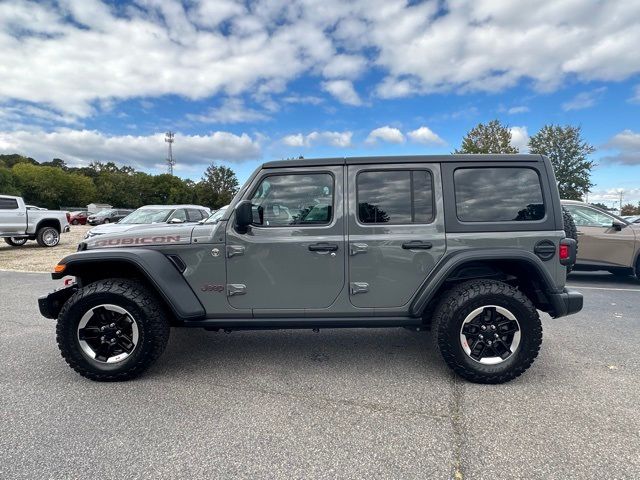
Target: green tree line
54,184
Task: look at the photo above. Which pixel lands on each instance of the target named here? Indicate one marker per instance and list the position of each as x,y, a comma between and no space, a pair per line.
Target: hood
124,235
111,228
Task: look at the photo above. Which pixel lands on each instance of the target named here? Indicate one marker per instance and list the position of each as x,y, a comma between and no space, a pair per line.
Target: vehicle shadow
592,278
274,352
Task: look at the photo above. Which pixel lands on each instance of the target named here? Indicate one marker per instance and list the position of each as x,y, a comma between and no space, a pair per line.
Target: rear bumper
565,303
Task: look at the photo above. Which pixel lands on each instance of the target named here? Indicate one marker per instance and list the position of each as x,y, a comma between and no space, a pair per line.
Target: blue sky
244,82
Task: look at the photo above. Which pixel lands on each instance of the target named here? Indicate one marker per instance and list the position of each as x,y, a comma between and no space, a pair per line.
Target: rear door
293,256
395,231
13,219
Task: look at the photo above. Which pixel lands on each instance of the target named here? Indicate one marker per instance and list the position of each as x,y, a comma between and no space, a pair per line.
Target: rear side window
194,215
8,204
395,196
498,194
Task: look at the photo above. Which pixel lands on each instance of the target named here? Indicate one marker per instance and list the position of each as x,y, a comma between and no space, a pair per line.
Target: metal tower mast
168,137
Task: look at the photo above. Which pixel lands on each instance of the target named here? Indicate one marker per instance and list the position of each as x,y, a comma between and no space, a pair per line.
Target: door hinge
356,248
236,289
234,250
358,287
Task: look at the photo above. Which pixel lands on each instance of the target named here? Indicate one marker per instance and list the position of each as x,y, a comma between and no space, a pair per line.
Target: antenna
168,137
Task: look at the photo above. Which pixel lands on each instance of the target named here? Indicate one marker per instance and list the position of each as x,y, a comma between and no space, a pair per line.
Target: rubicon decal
159,239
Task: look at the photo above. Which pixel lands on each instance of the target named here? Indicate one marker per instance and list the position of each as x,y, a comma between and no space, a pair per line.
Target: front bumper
51,304
565,303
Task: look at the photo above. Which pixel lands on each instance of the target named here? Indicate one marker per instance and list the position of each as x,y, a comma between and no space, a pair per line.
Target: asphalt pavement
335,404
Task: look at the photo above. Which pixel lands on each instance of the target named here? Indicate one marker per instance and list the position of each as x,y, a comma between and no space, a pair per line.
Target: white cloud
232,110
335,139
520,138
584,100
342,90
627,148
611,196
385,134
425,135
344,66
73,55
303,99
80,147
518,109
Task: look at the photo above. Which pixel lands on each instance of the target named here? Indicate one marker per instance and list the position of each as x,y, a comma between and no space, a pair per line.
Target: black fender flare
157,269
456,259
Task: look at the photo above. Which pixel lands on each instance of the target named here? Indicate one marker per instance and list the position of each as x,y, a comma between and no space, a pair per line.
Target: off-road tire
570,231
147,311
75,222
15,242
40,237
460,301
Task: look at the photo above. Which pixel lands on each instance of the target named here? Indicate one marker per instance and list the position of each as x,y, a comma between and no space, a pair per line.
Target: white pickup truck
19,224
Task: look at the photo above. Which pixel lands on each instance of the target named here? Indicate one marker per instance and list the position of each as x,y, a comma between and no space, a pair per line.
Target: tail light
564,252
567,251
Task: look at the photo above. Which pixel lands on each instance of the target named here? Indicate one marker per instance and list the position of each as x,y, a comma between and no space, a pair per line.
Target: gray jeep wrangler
469,247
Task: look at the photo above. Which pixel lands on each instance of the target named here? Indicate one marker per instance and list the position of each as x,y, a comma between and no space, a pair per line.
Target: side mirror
618,225
176,220
244,215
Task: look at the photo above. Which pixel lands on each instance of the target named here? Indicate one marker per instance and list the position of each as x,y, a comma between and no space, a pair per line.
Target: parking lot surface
337,404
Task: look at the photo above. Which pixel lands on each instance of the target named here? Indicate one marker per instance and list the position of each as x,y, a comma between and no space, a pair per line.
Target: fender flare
454,260
157,269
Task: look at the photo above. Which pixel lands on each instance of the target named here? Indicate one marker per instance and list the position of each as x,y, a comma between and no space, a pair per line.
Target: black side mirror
244,216
618,225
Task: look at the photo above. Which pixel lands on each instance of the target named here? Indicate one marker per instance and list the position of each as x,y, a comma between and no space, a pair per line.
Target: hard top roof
311,162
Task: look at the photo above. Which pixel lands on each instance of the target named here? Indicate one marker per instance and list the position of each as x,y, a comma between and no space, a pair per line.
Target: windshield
148,215
216,216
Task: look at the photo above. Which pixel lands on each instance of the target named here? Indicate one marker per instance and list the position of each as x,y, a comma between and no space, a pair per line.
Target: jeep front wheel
112,330
487,331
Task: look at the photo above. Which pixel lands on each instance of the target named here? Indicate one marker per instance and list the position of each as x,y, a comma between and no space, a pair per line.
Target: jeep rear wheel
112,330
487,331
15,242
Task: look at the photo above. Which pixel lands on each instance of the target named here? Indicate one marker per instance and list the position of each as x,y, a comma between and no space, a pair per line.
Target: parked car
632,218
110,215
606,241
154,214
33,207
78,218
18,224
216,215
467,246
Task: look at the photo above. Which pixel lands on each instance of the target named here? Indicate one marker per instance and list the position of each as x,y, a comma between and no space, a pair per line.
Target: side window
293,199
395,196
194,215
500,194
180,214
587,217
8,204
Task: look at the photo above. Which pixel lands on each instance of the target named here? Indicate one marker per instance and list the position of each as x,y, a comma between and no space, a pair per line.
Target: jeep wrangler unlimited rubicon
467,246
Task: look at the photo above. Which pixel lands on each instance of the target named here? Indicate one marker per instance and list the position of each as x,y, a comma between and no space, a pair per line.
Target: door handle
417,245
323,247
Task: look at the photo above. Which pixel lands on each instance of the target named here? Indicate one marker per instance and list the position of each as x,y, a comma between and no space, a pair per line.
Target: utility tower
168,137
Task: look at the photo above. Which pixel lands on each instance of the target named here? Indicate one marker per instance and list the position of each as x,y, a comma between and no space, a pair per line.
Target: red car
78,218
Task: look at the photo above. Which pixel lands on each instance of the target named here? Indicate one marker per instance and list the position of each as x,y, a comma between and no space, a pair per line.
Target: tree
629,209
8,182
568,153
490,138
217,187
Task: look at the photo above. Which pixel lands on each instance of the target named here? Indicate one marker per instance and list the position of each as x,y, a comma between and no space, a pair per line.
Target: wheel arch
520,268
151,267
49,222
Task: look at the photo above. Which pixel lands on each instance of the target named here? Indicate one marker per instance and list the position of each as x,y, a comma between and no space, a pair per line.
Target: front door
599,242
293,256
395,231
12,218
